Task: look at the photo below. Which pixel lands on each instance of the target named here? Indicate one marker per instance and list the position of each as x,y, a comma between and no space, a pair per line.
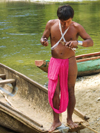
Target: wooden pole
80,114
89,128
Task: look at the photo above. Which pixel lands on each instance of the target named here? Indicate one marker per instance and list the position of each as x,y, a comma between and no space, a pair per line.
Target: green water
22,25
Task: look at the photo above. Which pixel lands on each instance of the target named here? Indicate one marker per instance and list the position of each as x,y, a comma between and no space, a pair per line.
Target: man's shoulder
75,24
52,22
78,27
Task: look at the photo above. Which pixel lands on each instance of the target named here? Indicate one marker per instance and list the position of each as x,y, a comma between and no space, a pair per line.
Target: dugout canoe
87,64
24,106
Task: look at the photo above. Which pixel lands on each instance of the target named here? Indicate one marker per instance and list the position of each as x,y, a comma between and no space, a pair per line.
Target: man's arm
87,39
46,34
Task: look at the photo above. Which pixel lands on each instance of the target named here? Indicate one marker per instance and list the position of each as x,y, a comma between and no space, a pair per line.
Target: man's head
65,12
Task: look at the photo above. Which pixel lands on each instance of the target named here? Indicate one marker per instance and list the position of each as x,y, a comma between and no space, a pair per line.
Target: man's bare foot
54,126
71,124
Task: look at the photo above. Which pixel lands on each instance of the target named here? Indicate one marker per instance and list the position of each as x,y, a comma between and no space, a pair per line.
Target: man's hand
44,41
71,44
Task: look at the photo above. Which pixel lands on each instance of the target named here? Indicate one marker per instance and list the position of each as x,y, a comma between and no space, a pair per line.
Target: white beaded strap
64,32
62,36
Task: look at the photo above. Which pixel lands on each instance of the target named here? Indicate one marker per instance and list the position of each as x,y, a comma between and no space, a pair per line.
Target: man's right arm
46,34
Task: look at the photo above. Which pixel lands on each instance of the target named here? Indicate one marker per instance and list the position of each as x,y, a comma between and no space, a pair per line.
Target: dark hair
65,12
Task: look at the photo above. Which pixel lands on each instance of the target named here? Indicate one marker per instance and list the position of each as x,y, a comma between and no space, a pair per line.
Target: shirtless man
63,48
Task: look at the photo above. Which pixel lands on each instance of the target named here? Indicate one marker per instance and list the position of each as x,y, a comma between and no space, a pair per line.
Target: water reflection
22,25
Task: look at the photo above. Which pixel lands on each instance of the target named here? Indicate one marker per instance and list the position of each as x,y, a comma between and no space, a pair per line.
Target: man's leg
56,122
72,75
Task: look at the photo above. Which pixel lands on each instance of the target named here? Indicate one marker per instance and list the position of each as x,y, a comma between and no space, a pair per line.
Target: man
62,72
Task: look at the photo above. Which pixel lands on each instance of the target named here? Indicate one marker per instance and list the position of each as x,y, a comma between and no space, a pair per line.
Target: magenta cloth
58,67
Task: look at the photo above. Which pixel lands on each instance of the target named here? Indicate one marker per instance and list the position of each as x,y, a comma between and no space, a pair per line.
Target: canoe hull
14,124
88,67
28,109
28,97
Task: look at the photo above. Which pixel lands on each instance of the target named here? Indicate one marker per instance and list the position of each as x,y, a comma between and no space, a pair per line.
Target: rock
98,99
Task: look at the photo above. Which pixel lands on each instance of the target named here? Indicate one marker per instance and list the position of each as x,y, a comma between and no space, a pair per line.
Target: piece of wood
87,59
88,55
80,114
3,76
39,63
6,98
6,81
89,128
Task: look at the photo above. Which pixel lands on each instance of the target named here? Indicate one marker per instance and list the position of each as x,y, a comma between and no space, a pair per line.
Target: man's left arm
87,41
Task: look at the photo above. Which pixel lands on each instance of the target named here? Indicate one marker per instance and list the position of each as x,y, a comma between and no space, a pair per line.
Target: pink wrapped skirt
58,67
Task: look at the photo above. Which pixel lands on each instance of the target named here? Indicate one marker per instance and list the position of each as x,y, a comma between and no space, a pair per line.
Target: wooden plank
89,128
88,55
3,76
88,59
6,81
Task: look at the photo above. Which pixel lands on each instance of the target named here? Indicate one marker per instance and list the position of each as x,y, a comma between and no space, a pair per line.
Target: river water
22,25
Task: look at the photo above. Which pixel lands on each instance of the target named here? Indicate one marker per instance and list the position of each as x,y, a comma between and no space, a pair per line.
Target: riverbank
87,91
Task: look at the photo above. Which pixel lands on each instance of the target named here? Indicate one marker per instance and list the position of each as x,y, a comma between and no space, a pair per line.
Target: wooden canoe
24,105
87,64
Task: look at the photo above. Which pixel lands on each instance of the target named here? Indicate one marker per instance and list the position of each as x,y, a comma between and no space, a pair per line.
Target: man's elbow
92,43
